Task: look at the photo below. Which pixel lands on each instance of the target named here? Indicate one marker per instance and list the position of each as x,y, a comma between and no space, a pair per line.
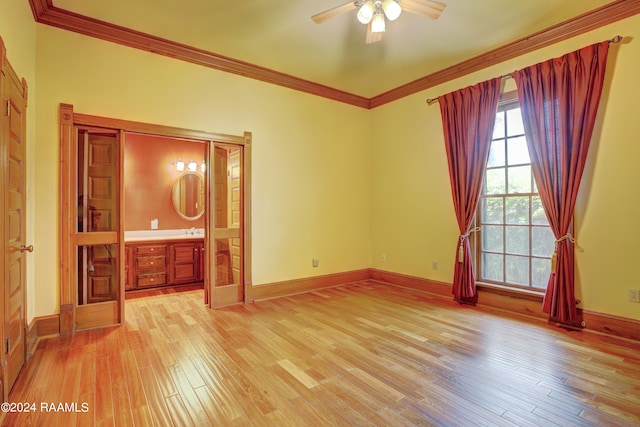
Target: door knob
24,248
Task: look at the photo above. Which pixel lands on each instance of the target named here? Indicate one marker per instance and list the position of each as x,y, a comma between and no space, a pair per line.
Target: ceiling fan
372,13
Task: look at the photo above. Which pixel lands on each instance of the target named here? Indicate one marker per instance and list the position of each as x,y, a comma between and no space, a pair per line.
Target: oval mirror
188,195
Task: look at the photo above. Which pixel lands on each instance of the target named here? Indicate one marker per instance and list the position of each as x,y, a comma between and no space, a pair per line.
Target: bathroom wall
149,174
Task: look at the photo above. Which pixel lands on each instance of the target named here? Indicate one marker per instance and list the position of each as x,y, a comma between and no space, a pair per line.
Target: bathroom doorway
164,201
207,241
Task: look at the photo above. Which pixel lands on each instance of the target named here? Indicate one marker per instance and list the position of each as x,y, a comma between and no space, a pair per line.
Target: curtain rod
616,39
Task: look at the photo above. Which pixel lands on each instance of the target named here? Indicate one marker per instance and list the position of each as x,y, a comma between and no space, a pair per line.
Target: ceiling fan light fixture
365,13
378,24
391,9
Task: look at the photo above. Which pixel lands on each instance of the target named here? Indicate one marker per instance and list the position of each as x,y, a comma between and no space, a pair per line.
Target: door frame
68,293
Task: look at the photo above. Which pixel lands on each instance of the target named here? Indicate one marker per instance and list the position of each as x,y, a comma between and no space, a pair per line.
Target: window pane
517,269
517,239
493,267
520,179
514,122
541,268
492,238
498,129
538,217
518,153
517,210
495,181
492,212
543,241
496,154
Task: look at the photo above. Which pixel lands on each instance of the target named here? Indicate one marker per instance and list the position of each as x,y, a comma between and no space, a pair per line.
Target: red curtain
559,101
468,116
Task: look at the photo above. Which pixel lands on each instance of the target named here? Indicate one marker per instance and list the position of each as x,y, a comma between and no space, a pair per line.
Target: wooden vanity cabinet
163,263
151,265
184,262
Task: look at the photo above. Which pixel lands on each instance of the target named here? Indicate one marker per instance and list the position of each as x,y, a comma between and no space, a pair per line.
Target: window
515,244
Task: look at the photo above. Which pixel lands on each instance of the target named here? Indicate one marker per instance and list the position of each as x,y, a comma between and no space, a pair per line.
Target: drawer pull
151,262
152,249
152,279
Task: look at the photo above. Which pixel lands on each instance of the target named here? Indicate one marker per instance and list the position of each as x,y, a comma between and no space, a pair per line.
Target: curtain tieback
461,246
554,257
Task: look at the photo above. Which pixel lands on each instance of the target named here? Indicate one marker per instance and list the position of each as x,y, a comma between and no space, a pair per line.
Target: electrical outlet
383,257
315,262
434,265
634,295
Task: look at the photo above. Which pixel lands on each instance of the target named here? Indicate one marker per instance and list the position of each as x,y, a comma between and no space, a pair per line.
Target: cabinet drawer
152,250
151,262
156,279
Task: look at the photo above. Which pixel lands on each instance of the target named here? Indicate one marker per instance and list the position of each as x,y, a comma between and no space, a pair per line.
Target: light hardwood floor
362,354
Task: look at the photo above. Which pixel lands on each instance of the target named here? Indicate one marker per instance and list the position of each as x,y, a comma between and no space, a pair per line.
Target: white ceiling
280,35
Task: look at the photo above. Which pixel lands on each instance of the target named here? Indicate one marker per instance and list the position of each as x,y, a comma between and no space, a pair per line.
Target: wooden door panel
97,236
228,262
184,262
15,172
235,213
220,187
96,315
14,305
101,182
100,289
13,140
184,253
184,273
102,281
14,225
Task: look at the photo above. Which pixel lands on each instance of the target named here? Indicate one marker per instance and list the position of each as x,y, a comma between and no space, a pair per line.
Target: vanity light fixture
180,165
203,166
192,166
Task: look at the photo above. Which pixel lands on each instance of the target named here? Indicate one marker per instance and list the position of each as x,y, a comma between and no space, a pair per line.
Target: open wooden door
93,267
97,241
231,250
13,98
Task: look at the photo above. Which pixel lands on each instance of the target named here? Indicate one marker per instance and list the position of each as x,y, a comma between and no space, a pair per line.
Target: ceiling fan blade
321,17
428,8
371,36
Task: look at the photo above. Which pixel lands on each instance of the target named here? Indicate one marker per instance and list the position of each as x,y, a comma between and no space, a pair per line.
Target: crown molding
45,12
580,24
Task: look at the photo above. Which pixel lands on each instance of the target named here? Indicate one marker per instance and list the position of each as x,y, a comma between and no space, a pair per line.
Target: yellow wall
413,221
18,31
310,155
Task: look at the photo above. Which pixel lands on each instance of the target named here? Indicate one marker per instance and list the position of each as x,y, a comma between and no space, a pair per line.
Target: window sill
526,294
